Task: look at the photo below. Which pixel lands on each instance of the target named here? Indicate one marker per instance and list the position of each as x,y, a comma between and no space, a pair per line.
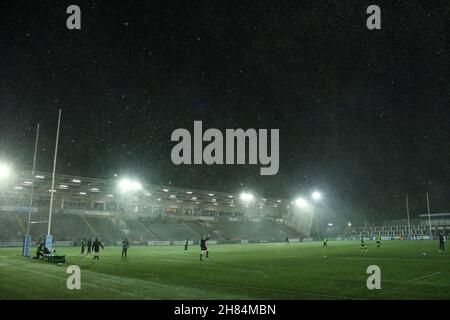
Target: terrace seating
392,231
110,229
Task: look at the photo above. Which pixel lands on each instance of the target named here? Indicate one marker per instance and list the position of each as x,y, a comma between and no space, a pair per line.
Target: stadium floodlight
316,196
330,224
301,203
127,185
5,170
349,224
246,197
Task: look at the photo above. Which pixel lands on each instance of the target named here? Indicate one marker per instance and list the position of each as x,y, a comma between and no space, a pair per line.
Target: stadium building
114,209
423,227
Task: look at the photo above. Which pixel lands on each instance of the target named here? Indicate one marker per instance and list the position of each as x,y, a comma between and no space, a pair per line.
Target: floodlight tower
5,171
129,188
301,203
316,196
127,185
247,197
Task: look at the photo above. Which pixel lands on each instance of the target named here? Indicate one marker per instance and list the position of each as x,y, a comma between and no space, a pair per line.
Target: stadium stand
74,227
87,208
400,229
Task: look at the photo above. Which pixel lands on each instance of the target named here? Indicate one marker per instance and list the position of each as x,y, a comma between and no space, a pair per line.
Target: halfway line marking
427,276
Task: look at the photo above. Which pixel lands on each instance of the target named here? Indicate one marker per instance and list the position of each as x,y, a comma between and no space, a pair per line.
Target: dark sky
363,115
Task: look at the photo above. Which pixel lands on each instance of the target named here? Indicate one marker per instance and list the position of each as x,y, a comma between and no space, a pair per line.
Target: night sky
363,114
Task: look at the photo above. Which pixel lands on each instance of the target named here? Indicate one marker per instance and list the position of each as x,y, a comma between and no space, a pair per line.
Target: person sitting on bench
47,255
39,251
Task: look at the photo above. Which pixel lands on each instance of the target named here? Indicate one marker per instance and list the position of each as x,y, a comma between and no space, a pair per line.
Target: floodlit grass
252,271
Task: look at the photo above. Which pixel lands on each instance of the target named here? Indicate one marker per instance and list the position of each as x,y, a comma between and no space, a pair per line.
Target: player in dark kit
325,242
83,245
125,246
40,250
96,246
186,243
203,247
441,243
89,246
287,241
363,245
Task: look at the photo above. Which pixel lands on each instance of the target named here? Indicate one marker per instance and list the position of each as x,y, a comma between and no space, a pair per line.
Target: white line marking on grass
386,259
426,276
313,294
414,281
172,260
440,284
249,271
84,284
120,280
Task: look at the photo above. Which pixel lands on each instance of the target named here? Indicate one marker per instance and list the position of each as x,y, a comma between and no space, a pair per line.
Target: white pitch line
427,276
134,295
229,285
385,259
173,260
84,284
432,284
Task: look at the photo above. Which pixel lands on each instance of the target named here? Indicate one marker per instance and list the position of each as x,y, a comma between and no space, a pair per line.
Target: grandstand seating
111,228
74,227
417,230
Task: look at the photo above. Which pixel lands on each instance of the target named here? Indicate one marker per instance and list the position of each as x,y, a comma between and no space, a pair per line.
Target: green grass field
253,271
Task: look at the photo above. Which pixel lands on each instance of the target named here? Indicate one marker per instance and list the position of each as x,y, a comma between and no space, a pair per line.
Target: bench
55,258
